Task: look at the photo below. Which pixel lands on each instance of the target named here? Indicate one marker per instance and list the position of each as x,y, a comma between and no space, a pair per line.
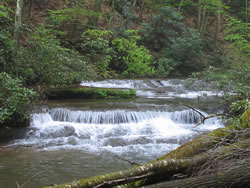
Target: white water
157,88
140,131
144,133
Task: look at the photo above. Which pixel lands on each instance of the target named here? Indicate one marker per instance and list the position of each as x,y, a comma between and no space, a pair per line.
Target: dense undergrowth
62,43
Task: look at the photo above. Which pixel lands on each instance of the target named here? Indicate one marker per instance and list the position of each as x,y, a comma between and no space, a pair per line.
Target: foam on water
116,84
157,88
113,131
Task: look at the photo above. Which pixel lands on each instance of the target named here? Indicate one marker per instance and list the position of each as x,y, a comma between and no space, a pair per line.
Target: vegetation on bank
51,43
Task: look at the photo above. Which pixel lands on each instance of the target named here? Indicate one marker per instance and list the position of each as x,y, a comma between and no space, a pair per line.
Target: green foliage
6,44
69,14
238,33
4,15
125,10
165,66
239,9
163,27
239,107
96,47
186,50
131,59
69,23
112,55
46,62
88,93
179,49
13,97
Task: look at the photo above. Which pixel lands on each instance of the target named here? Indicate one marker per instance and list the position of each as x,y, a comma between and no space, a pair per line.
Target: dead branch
122,181
132,163
211,116
27,181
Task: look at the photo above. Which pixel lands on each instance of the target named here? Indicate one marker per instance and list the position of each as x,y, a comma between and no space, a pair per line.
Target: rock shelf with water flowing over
92,132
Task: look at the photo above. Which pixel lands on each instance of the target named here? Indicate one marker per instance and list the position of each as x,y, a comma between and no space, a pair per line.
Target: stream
73,139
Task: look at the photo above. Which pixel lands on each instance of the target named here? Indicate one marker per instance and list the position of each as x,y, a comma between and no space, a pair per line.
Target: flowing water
73,139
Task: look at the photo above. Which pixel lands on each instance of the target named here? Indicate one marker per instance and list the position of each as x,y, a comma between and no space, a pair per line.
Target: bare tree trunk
246,11
111,14
205,25
199,15
18,20
179,8
218,24
203,19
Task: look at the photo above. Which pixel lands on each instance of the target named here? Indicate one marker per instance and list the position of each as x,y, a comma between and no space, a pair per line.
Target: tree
18,20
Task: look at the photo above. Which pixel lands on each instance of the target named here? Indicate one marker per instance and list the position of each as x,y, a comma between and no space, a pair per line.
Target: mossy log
88,93
154,171
205,142
245,119
200,144
239,177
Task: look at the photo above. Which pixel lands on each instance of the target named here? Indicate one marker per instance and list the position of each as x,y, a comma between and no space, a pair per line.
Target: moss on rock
88,93
245,119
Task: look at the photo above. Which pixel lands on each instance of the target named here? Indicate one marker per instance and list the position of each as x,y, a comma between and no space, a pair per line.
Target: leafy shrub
112,55
187,51
179,48
131,59
96,47
46,62
165,66
13,98
163,27
70,22
6,44
240,106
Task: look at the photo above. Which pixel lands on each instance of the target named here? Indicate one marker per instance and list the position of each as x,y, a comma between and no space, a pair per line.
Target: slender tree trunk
218,24
203,19
18,20
199,15
179,8
205,25
111,14
246,11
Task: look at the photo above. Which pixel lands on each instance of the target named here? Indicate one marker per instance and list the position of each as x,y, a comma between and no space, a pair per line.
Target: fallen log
154,171
239,177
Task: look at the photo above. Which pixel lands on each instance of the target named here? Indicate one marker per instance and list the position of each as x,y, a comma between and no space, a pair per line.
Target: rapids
79,138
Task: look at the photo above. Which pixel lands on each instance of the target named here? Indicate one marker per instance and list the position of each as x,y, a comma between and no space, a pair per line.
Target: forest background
52,43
